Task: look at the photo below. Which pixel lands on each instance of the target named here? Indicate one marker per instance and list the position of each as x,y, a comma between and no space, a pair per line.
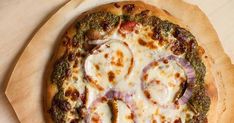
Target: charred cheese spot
119,59
147,94
165,61
106,55
136,31
150,45
142,42
145,77
72,93
96,119
178,121
97,66
177,75
111,76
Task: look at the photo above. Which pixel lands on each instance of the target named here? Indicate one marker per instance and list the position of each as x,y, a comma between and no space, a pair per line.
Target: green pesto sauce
94,21
59,71
57,114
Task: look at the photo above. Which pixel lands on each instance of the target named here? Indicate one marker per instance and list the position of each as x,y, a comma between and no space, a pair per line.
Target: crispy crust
139,6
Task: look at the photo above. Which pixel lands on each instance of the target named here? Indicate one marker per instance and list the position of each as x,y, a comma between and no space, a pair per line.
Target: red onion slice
185,65
114,95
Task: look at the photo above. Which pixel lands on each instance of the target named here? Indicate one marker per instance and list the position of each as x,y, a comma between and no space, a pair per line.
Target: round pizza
129,62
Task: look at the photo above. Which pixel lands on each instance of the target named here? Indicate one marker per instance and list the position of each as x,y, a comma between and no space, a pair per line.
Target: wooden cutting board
25,86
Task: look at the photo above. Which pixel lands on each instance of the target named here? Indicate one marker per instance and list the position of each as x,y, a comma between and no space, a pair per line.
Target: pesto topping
93,23
59,108
60,71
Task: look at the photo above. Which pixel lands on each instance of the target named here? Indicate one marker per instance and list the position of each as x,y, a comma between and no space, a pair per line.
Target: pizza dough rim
139,6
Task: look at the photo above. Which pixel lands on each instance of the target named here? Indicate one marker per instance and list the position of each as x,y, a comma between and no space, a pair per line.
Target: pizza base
24,104
139,6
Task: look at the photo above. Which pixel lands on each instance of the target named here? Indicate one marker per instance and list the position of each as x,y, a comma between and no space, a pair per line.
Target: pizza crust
221,67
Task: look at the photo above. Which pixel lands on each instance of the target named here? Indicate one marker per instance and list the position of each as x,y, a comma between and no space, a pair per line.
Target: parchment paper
25,87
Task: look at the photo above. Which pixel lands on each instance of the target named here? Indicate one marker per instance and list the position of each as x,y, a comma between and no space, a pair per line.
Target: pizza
129,62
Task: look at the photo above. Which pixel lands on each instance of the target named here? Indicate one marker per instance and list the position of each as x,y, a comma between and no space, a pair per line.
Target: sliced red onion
190,74
184,99
185,65
115,95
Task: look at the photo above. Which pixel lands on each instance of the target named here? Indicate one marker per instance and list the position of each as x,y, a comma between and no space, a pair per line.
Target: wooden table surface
20,20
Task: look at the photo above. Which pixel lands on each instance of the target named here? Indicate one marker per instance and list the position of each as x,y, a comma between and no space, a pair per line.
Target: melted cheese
105,59
109,64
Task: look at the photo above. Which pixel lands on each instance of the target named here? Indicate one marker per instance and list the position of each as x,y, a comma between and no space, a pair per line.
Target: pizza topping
178,121
128,8
190,74
71,57
82,112
113,104
63,105
105,25
148,82
60,71
93,34
199,102
168,83
96,118
58,110
111,76
182,35
74,121
114,107
150,44
72,93
113,68
127,27
75,42
157,34
178,47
